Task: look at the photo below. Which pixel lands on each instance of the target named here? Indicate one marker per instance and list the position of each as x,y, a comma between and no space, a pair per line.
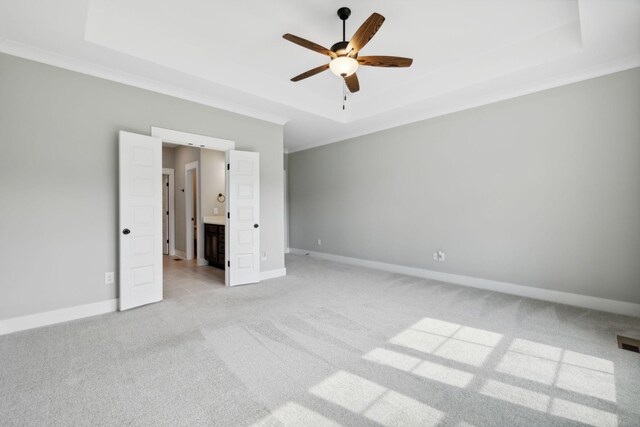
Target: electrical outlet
319,242
215,211
441,256
435,256
109,278
264,255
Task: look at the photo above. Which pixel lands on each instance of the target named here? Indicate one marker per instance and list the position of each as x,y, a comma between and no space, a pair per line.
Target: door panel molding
243,223
140,219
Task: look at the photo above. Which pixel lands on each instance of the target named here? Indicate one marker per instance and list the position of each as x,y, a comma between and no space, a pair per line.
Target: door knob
126,231
255,226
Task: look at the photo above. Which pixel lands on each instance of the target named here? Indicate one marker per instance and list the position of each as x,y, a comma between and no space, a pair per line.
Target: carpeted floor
329,344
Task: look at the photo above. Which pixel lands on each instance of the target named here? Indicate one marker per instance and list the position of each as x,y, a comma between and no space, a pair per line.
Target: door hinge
167,212
228,263
167,184
228,167
167,240
228,215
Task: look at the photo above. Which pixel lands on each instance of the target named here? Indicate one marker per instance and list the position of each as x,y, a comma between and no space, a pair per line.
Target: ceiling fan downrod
344,13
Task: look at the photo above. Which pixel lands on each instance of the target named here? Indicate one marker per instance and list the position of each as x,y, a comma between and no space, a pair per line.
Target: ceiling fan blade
310,73
365,33
309,45
352,83
385,61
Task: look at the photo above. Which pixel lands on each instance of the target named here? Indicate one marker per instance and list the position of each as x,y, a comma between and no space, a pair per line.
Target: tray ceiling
231,54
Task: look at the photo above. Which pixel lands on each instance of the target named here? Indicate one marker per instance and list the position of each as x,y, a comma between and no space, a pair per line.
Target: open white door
243,221
165,214
140,220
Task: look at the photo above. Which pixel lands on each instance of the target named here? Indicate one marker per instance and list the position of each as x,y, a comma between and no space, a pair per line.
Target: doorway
141,210
192,210
199,264
217,232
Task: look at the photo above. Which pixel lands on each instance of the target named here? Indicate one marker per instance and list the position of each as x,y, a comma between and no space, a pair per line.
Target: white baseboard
202,261
272,274
585,301
22,323
180,254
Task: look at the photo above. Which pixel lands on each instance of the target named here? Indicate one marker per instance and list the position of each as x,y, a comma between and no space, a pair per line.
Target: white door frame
172,209
189,195
192,139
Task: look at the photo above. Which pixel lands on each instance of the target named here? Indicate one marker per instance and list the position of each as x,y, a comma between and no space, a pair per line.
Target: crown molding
20,50
369,125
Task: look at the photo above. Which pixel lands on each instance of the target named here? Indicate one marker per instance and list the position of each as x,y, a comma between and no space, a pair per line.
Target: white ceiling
230,54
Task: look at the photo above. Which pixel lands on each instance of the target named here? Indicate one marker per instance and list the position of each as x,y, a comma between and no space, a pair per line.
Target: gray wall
541,190
59,175
183,155
168,155
212,179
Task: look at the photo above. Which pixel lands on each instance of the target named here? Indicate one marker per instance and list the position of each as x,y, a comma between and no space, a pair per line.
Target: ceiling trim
11,47
192,139
603,69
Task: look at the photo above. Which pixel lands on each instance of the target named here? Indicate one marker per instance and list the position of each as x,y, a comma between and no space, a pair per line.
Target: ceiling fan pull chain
344,93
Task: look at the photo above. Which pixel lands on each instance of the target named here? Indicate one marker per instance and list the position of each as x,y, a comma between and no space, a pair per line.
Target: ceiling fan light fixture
343,66
344,54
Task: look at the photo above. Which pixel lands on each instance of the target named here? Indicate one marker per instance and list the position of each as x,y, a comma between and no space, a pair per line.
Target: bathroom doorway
141,240
192,209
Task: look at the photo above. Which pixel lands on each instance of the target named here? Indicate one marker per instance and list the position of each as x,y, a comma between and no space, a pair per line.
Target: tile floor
182,277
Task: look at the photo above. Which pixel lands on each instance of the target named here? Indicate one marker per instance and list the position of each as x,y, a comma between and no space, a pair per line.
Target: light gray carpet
330,344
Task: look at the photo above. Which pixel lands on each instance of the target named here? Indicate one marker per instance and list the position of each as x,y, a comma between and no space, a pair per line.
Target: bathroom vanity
214,240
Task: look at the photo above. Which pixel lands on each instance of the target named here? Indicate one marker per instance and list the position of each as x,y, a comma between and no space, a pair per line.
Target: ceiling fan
344,54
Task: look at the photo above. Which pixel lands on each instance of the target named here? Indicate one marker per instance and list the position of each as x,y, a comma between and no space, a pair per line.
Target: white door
165,214
140,220
243,221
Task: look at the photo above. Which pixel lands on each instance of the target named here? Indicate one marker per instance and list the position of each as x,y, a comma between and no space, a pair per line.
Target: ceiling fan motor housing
340,48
